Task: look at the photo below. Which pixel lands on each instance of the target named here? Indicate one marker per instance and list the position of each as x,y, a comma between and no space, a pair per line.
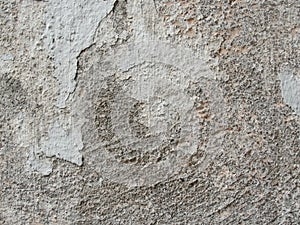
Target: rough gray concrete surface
149,112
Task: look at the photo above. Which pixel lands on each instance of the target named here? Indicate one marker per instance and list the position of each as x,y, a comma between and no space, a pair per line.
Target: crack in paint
91,45
290,89
71,28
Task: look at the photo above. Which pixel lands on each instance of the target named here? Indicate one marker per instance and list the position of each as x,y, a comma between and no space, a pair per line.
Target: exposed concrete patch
290,89
13,96
70,28
13,99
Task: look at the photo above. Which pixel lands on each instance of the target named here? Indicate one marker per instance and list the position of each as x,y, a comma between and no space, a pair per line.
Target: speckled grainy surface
149,112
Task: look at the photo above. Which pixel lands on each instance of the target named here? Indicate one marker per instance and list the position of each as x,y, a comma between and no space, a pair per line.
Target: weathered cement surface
149,112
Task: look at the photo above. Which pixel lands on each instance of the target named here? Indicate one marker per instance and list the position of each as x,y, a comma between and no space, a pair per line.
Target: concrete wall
149,112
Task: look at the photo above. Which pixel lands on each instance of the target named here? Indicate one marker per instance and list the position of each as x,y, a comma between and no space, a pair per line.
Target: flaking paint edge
290,89
70,28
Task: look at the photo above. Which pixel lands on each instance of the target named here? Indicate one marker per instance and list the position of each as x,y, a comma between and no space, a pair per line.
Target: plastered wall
149,112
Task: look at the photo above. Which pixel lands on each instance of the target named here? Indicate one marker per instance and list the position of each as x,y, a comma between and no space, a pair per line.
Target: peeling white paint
63,144
6,62
70,28
7,57
43,166
290,89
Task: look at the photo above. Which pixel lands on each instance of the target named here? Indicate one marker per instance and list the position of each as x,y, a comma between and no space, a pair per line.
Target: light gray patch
7,57
43,166
70,28
290,90
63,144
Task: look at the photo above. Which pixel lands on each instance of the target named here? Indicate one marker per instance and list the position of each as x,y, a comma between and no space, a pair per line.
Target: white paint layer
70,28
6,62
43,166
64,144
290,90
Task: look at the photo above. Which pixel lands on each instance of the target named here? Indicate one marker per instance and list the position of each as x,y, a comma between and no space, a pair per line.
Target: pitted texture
149,112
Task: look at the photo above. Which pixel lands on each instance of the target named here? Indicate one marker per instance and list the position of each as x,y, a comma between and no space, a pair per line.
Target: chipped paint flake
70,28
290,89
42,166
63,144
